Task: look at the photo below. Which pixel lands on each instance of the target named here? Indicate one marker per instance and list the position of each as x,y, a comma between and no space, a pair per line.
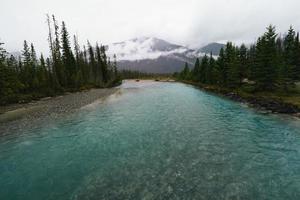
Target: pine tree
297,57
68,57
79,61
92,62
99,69
105,65
26,54
9,83
211,73
196,70
34,63
2,54
289,68
26,74
243,63
232,65
57,61
115,69
185,74
203,69
42,75
222,68
266,62
52,66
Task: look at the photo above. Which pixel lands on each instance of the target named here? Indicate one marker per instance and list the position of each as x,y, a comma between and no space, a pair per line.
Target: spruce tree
232,65
203,69
26,74
289,68
196,70
68,57
99,67
92,62
52,62
184,75
212,73
105,65
297,58
57,61
266,62
115,69
243,63
221,68
35,81
9,82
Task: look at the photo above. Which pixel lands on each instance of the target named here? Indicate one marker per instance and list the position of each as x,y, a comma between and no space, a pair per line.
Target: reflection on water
155,141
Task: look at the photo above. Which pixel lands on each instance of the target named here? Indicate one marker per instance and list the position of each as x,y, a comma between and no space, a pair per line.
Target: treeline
29,76
272,63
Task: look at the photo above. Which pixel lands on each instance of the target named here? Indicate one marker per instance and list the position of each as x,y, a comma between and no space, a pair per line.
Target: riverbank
265,101
22,114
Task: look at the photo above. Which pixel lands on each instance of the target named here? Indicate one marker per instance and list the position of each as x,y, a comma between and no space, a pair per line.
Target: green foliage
266,61
65,70
185,74
271,63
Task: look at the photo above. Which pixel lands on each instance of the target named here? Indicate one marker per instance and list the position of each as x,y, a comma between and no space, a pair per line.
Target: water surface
155,141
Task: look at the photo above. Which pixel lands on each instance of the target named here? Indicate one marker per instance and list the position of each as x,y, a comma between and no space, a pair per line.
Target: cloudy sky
186,22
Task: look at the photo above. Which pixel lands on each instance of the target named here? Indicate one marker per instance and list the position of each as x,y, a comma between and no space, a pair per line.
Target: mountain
213,48
153,55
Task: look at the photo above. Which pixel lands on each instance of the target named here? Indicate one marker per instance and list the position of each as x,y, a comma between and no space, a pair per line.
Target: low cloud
186,22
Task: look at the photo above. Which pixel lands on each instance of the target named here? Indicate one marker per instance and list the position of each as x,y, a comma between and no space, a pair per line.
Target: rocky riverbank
18,115
269,104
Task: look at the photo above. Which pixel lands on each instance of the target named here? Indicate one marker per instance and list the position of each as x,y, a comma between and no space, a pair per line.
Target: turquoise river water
155,140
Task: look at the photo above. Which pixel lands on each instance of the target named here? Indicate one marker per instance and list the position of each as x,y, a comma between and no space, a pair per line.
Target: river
154,140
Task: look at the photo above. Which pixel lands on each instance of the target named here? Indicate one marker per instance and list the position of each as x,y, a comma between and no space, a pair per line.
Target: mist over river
154,140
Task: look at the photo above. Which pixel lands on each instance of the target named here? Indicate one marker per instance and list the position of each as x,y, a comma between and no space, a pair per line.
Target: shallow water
155,141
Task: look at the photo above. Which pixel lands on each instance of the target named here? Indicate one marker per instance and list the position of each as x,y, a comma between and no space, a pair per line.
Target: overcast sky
186,22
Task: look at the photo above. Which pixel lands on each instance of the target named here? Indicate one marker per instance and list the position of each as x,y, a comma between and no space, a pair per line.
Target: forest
67,69
271,64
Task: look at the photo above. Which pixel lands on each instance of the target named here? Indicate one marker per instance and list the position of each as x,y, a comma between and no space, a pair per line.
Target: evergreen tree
115,70
222,68
185,74
26,74
266,63
203,69
289,67
9,83
211,72
196,70
232,65
105,65
2,54
100,64
57,61
297,58
92,62
243,64
52,66
68,57
35,81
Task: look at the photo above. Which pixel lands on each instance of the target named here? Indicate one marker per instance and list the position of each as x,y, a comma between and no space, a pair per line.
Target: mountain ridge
154,55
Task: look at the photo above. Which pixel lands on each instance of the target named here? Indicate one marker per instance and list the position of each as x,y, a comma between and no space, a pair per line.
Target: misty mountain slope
213,48
153,55
144,48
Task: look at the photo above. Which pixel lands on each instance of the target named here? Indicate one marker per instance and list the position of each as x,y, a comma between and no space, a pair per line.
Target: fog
190,22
